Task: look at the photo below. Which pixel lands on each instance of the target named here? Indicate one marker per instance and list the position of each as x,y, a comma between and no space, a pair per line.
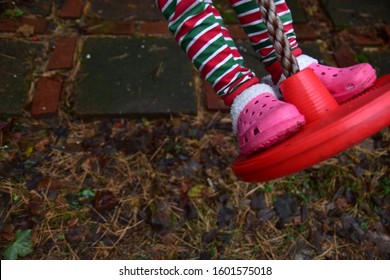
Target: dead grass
141,174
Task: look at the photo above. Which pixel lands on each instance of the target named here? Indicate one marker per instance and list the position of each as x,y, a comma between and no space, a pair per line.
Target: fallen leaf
190,211
29,151
104,200
42,145
258,202
265,215
341,203
87,193
26,30
7,233
49,188
72,222
199,191
21,247
75,234
225,217
209,236
35,206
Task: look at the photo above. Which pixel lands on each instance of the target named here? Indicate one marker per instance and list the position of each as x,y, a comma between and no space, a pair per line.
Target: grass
94,193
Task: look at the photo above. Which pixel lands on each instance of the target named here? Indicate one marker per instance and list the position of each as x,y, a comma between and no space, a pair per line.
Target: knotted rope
278,38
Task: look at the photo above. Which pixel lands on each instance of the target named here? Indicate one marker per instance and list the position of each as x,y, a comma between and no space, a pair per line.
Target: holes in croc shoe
246,111
264,105
350,86
245,140
256,131
257,101
253,113
323,73
334,75
260,114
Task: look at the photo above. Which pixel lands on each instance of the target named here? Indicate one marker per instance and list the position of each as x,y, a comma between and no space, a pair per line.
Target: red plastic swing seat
330,128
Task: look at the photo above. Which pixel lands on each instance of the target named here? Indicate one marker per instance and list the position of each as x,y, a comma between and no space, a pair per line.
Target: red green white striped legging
199,29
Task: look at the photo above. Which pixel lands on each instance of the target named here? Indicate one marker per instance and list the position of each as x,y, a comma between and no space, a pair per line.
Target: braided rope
278,38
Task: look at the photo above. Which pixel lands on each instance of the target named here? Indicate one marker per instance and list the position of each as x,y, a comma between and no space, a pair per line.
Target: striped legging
199,30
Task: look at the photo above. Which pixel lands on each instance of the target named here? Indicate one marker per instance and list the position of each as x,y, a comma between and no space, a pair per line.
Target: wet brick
46,97
62,57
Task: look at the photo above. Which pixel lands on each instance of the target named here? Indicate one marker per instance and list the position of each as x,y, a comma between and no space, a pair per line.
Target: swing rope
278,38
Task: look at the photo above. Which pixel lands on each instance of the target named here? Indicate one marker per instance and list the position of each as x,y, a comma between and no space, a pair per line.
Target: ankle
230,97
275,68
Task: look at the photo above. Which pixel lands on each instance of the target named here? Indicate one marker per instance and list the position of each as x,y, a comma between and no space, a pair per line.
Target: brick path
116,58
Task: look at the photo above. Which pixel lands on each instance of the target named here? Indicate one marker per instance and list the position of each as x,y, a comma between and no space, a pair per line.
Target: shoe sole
294,125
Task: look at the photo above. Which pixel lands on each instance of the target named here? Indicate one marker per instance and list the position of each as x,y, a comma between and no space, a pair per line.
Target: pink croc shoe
343,83
260,120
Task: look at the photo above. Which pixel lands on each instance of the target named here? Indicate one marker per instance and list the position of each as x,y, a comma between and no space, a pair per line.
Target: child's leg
259,119
249,15
203,38
343,83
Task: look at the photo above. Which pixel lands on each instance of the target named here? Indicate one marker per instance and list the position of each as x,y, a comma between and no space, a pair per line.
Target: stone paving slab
128,76
16,66
348,13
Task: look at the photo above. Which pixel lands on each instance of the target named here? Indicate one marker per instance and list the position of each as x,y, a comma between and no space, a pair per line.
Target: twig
7,56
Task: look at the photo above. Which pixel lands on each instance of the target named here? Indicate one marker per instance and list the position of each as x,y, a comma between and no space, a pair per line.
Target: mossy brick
17,62
46,96
40,8
62,56
39,25
124,9
71,9
154,27
128,76
350,13
344,56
